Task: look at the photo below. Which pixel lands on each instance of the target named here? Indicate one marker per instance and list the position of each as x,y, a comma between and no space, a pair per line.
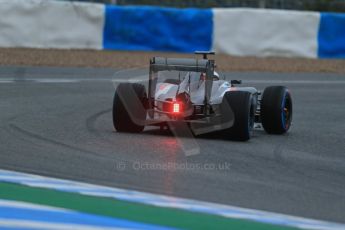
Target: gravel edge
129,59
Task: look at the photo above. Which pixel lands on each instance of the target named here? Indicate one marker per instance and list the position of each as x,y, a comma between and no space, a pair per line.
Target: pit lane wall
234,31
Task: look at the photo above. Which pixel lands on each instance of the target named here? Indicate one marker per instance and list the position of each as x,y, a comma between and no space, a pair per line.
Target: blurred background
307,5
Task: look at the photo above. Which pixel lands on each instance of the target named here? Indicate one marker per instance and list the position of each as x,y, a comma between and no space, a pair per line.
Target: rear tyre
276,109
129,112
243,113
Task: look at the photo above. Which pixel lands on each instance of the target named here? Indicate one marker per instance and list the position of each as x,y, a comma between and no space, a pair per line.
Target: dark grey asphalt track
57,122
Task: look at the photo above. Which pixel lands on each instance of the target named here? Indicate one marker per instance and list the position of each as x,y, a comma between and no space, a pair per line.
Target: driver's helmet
203,76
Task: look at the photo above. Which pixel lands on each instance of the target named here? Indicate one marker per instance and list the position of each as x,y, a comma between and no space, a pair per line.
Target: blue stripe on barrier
331,37
156,28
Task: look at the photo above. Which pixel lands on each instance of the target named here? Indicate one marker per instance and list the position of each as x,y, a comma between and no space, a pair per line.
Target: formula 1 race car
190,91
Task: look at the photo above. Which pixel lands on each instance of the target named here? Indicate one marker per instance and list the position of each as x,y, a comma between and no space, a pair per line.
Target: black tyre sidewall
240,103
272,104
122,119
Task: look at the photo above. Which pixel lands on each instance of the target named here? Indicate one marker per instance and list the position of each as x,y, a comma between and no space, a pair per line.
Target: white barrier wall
51,24
233,31
249,32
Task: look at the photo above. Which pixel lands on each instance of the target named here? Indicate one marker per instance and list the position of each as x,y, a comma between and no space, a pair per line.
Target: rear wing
181,64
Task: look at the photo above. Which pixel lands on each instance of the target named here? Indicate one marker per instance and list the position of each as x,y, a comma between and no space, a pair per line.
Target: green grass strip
126,210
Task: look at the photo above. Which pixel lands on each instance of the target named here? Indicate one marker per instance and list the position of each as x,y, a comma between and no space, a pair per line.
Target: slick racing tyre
129,107
276,109
243,112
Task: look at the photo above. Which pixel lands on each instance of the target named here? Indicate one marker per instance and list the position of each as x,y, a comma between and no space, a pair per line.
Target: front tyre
129,112
276,109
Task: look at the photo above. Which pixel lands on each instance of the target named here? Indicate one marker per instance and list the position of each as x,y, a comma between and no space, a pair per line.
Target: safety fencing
233,31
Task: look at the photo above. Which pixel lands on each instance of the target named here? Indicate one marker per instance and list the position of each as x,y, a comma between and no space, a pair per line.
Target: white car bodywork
194,86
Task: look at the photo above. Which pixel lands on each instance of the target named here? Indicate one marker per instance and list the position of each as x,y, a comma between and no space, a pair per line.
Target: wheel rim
286,111
251,119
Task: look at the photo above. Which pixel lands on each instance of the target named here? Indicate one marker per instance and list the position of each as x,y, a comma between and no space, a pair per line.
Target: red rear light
176,107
